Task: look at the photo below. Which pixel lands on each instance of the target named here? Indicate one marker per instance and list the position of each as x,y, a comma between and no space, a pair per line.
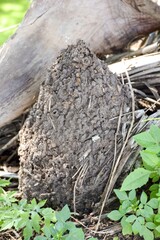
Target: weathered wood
49,26
143,71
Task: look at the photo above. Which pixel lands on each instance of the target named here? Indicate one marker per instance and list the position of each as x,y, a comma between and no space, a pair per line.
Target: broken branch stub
67,142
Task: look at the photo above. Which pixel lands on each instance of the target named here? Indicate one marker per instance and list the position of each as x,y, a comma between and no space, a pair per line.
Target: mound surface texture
67,142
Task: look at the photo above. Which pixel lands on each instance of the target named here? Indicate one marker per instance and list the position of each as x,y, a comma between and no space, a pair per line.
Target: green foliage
140,214
140,174
36,220
11,14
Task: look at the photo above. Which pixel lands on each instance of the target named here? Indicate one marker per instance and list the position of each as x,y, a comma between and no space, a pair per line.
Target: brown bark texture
67,142
49,26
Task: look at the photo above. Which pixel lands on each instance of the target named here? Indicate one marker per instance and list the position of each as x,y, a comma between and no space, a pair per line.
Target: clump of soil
67,142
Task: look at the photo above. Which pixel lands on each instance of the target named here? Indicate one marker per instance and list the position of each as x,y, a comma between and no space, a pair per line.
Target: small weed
36,220
140,214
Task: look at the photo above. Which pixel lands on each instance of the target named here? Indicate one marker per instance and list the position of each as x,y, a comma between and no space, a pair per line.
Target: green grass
11,14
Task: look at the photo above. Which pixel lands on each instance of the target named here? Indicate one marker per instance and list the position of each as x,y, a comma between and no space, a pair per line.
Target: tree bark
49,26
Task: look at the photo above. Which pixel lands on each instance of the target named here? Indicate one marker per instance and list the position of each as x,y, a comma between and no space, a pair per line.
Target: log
49,26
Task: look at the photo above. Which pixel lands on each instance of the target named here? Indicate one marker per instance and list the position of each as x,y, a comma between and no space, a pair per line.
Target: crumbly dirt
67,142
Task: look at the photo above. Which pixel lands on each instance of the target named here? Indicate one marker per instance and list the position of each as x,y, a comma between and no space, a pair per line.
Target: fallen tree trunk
49,26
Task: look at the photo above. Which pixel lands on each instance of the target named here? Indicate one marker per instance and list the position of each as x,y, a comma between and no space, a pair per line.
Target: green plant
34,219
140,213
116,238
11,15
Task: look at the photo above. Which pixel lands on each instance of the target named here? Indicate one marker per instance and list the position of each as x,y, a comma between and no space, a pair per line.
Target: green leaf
131,218
96,238
60,226
140,205
33,205
138,212
22,203
122,211
4,183
136,179
157,218
40,238
150,225
70,225
158,229
143,198
19,223
1,190
143,213
153,203
155,133
154,187
115,215
125,205
137,227
155,178
7,224
49,215
64,214
37,206
144,139
76,234
42,203
154,190
150,160
132,195
47,231
115,238
8,198
126,227
156,234
154,149
28,231
147,213
148,209
147,234
121,195
24,216
158,193
141,220
35,219
153,194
